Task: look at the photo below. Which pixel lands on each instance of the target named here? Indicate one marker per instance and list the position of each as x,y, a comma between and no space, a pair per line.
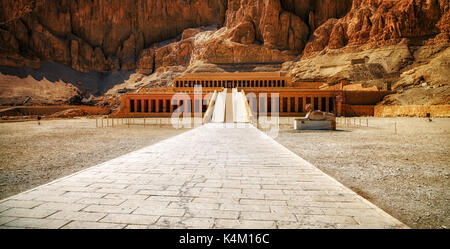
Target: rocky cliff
379,42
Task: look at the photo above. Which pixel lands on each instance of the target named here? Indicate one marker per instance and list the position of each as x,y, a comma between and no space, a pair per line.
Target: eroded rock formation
97,35
371,40
380,23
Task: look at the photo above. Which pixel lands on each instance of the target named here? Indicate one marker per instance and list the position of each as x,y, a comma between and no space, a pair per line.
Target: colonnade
231,83
286,104
166,105
292,104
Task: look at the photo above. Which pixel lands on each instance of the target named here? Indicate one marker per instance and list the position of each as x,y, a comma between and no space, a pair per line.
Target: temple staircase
228,106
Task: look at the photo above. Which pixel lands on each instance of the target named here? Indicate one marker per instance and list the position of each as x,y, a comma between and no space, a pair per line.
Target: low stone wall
358,110
49,110
364,97
412,111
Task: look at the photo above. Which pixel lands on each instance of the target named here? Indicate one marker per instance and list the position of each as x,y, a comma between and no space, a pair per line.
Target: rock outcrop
380,23
96,35
375,41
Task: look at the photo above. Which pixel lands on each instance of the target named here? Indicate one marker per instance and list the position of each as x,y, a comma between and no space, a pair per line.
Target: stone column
304,103
135,105
320,103
289,104
157,105
281,103
339,100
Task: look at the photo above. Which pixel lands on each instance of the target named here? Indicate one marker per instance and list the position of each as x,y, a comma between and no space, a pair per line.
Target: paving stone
92,225
216,200
37,223
327,219
224,214
242,207
61,206
130,219
208,177
126,196
27,213
244,224
262,202
109,209
116,191
23,197
101,201
145,204
57,199
136,227
185,222
21,203
194,205
3,208
83,194
10,227
6,219
81,216
109,185
298,225
268,216
159,211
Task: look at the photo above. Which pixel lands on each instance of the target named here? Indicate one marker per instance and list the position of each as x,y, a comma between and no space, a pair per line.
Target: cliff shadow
250,67
95,83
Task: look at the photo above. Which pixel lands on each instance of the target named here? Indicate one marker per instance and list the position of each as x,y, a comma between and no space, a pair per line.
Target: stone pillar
164,106
281,104
339,100
127,104
296,105
304,102
135,105
320,103
327,101
157,105
171,106
289,104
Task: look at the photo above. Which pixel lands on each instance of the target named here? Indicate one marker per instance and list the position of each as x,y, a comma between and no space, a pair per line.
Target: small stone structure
316,120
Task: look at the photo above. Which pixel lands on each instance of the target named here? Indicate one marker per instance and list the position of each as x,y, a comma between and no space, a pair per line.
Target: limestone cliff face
372,23
96,35
315,39
269,31
100,35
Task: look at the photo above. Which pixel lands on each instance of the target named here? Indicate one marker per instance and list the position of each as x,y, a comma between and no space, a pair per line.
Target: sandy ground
31,154
406,174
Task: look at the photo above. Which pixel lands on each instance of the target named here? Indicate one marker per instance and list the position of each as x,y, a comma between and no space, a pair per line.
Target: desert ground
403,170
406,174
33,154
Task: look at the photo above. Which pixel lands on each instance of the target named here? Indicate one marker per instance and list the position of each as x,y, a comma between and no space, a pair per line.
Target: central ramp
208,177
219,108
230,107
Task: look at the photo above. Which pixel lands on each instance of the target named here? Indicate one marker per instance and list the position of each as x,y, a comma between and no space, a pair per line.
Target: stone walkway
208,177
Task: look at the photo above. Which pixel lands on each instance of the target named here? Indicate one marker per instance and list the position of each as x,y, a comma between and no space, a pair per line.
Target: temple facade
266,92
